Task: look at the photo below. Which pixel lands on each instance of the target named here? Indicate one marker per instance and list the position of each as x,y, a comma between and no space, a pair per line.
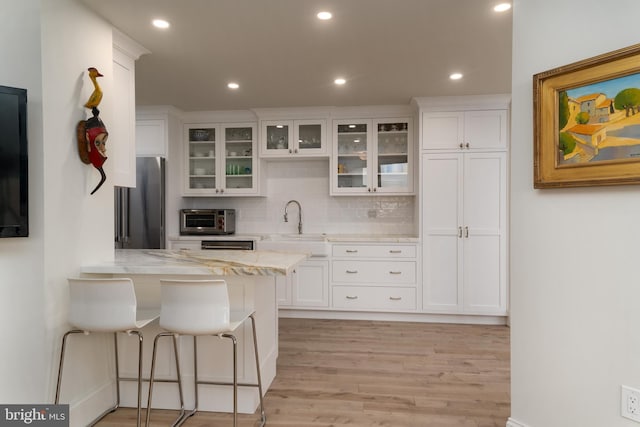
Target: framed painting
587,122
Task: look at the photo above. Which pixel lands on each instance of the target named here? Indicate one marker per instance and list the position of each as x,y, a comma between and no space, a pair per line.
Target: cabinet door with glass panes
221,160
373,156
393,148
293,138
352,147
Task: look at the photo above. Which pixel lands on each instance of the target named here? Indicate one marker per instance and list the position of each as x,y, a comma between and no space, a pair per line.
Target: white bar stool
201,307
106,305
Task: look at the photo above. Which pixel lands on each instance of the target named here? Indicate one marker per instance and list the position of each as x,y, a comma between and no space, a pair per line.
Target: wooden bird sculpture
92,133
96,96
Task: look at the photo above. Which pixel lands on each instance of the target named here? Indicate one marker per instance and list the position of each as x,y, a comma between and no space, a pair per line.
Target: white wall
574,279
24,364
47,47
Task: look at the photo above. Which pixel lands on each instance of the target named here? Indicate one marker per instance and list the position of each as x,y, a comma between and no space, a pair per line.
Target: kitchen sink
316,245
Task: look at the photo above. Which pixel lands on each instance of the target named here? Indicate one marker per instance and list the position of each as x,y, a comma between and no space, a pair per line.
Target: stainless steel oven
207,221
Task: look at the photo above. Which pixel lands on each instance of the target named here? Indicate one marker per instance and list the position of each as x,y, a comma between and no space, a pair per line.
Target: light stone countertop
337,238
178,262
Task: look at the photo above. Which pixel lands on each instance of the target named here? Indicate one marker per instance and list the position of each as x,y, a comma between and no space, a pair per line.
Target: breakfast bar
251,278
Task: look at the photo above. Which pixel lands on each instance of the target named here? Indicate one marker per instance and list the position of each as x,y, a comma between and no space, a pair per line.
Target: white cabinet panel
464,232
465,130
310,285
151,138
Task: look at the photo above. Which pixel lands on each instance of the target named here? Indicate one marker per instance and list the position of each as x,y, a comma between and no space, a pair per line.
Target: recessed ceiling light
455,76
160,23
233,85
502,7
339,81
324,16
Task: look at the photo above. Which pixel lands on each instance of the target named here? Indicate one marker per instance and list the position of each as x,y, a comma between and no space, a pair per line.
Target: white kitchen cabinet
372,157
374,277
465,130
221,160
306,287
122,131
293,138
151,138
464,226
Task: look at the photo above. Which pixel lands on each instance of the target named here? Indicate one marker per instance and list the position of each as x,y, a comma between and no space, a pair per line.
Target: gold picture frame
587,122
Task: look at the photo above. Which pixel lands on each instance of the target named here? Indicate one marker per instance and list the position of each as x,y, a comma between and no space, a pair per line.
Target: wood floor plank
339,373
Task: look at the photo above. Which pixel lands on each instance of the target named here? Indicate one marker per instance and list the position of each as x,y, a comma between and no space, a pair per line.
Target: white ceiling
283,56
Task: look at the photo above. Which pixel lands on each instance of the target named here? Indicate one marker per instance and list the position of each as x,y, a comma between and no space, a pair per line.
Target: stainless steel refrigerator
140,211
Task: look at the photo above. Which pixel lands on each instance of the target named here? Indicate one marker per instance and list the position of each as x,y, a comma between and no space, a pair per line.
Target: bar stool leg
61,366
235,377
140,338
263,417
181,418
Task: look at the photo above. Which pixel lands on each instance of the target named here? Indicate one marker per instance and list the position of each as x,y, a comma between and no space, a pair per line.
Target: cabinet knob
222,190
295,151
217,191
375,189
369,189
461,145
467,145
290,151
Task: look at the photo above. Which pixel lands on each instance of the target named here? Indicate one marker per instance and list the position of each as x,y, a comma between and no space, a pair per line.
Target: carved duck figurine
96,96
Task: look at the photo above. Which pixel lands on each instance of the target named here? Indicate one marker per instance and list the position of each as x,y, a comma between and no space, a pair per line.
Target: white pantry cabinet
465,130
293,138
221,160
464,226
372,157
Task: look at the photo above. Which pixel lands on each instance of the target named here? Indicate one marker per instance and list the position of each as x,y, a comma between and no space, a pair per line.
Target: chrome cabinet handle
352,251
352,271
351,297
392,251
395,298
466,232
460,232
395,272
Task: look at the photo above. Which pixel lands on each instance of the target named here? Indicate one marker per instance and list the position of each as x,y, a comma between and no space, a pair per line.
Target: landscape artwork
586,115
600,122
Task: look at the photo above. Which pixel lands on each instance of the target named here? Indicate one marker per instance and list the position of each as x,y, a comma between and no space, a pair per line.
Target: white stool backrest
102,305
194,307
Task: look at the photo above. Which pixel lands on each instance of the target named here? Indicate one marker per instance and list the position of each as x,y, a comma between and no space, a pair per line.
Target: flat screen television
14,201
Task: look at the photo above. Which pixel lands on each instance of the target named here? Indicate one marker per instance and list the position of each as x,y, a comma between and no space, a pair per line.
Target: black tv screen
14,217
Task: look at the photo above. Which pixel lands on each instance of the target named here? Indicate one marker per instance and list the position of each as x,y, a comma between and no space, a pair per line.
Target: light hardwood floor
360,373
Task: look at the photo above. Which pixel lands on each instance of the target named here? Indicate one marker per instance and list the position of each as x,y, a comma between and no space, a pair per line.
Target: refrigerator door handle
125,215
118,209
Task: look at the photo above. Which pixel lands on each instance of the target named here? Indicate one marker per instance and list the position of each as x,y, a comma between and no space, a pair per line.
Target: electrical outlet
630,403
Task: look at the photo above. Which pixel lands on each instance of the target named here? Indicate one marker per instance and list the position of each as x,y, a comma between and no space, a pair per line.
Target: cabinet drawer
375,251
374,298
391,272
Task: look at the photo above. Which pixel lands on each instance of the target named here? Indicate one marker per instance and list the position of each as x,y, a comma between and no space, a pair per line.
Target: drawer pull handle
395,298
352,251
395,251
352,297
395,272
352,271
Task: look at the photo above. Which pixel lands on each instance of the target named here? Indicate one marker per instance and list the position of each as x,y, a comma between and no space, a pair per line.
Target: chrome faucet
286,215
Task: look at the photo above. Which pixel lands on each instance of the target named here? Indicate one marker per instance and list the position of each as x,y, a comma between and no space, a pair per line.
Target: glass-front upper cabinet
393,155
221,160
293,138
372,157
351,154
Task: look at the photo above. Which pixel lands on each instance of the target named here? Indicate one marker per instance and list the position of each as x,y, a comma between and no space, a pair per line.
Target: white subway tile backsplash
307,181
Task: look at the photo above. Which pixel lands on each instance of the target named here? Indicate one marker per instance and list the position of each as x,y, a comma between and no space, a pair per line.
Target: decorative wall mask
92,133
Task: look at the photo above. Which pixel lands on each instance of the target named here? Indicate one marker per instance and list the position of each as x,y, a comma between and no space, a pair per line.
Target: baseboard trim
513,423
397,317
85,410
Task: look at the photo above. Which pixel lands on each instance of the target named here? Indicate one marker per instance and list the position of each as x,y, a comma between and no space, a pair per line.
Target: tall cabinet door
442,201
484,230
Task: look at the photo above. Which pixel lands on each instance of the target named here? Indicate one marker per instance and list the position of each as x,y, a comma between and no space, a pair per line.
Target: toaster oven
207,221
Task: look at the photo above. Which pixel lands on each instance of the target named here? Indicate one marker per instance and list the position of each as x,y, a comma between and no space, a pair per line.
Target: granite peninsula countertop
219,263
